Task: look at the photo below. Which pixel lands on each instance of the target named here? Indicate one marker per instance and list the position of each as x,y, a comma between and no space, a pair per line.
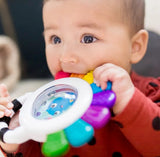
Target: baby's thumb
3,91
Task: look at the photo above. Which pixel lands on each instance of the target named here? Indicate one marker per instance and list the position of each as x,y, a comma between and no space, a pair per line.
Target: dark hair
132,13
44,1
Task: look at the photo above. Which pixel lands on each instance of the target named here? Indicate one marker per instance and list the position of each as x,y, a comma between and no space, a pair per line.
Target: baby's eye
88,39
56,40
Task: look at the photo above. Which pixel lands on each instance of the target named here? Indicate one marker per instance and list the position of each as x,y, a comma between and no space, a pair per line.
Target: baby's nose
69,56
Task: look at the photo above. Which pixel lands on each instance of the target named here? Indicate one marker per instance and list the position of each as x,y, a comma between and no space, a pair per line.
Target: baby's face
81,35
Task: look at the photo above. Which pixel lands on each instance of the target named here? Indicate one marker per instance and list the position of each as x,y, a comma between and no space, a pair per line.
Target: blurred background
150,64
21,20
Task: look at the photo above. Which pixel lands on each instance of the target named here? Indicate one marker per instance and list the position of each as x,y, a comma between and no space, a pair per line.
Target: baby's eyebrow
80,25
89,25
49,28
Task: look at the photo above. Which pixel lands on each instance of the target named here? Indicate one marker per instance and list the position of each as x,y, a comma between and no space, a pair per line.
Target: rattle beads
61,113
82,131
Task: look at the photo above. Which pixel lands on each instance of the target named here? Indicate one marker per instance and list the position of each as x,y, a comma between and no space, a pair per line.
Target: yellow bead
89,77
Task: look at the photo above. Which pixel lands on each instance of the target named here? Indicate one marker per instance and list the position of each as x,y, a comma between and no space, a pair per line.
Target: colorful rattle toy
61,113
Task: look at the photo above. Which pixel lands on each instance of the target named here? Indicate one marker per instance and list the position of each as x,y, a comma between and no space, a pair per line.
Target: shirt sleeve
141,124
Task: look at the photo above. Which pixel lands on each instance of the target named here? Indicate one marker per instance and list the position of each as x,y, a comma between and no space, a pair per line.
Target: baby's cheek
54,66
54,71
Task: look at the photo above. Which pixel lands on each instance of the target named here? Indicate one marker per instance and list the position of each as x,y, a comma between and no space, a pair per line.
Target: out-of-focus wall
152,21
27,20
149,66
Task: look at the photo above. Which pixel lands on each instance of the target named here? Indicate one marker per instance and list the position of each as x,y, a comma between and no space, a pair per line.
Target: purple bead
97,116
105,98
38,114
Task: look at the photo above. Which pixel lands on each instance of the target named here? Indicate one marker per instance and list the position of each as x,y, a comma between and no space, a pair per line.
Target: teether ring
61,113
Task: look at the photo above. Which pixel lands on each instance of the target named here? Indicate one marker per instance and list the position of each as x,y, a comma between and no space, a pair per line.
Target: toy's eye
53,105
44,103
55,40
88,39
57,113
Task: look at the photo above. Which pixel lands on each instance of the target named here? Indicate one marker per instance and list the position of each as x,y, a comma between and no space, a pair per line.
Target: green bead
55,145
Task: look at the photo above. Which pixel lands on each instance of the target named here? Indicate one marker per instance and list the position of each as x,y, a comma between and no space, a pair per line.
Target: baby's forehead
103,9
106,5
124,11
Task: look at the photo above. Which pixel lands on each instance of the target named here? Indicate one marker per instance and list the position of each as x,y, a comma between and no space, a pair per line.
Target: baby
106,37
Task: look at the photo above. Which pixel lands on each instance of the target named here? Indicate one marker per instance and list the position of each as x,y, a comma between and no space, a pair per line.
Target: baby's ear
139,46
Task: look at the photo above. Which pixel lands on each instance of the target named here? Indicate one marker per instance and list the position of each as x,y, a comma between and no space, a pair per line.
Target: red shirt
133,133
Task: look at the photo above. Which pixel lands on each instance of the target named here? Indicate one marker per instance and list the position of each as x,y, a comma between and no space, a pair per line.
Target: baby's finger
8,112
2,108
3,91
4,101
98,73
4,111
1,114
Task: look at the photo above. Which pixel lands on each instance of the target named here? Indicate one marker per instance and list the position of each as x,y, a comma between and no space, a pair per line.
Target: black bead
116,154
153,84
19,155
10,155
119,124
157,101
92,141
156,123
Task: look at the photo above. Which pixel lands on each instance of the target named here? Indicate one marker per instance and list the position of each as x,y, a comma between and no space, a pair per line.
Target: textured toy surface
82,131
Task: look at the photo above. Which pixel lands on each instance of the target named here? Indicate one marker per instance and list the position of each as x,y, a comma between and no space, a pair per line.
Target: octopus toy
82,131
51,114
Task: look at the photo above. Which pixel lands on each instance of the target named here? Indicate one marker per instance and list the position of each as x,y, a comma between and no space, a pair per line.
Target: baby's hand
5,102
121,84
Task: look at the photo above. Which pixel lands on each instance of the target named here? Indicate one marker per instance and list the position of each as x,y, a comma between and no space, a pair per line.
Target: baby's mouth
72,68
75,71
